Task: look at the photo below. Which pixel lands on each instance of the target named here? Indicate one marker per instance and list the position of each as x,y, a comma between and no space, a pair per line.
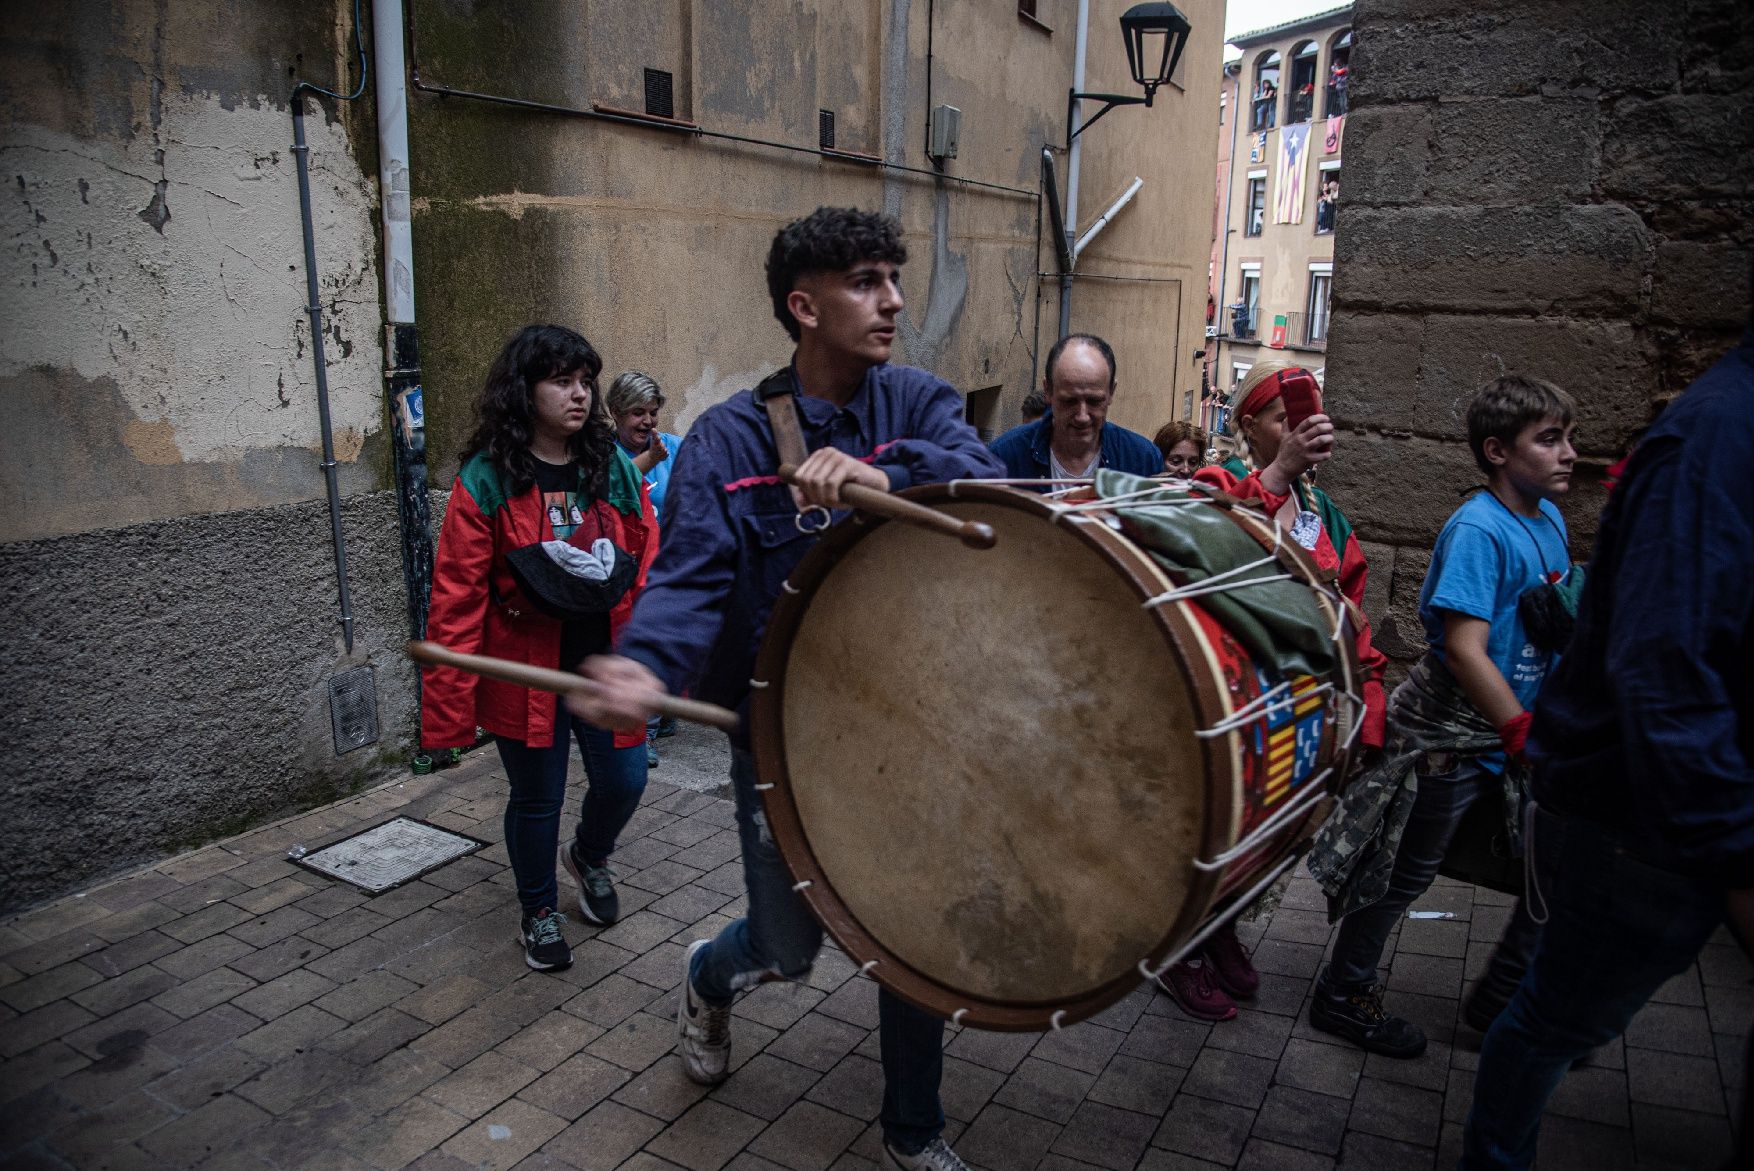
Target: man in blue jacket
1643,746
731,537
1075,438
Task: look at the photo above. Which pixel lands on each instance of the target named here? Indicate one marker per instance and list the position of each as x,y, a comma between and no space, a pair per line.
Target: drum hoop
767,705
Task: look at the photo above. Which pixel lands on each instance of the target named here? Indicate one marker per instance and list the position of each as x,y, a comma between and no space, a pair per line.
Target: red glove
1514,735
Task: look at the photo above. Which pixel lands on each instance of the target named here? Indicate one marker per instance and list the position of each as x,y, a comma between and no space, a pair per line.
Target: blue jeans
615,779
1617,928
1448,785
779,937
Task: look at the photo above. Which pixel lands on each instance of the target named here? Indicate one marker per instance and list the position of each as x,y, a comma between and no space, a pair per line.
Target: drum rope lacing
1200,936
1275,699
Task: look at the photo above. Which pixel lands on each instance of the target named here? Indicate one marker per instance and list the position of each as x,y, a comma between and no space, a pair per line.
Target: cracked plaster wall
165,272
167,590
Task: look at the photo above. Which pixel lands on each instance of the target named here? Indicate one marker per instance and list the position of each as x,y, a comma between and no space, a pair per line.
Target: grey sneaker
545,947
936,1157
703,1033
598,902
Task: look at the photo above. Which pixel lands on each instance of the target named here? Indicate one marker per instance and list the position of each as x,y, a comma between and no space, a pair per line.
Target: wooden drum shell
929,744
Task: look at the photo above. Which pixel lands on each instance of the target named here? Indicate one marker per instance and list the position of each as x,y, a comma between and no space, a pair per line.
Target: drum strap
778,395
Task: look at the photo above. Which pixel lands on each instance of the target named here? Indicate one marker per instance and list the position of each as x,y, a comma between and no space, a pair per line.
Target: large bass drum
1014,782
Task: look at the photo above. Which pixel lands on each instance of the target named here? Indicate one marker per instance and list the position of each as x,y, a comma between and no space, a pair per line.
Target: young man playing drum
734,532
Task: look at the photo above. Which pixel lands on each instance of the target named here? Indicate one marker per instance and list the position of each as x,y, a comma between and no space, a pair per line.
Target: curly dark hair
829,239
505,425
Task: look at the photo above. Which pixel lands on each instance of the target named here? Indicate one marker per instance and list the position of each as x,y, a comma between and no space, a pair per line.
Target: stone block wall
1559,188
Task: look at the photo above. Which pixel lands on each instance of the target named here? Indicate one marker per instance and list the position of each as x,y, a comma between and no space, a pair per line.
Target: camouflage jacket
1354,851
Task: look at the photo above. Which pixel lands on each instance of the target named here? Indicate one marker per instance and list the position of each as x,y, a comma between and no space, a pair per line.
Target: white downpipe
1082,42
392,79
1072,156
1113,210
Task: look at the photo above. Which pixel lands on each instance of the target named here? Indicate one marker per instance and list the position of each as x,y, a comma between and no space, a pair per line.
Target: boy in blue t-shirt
1499,544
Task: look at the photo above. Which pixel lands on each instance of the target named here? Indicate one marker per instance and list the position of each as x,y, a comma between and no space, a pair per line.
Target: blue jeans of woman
615,778
1616,929
1448,785
779,937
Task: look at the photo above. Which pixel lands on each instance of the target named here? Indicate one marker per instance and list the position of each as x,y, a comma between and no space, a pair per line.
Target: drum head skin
988,758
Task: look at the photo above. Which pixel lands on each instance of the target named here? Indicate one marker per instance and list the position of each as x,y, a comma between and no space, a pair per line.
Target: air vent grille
660,93
825,129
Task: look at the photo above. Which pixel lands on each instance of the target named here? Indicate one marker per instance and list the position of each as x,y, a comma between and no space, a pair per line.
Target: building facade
1284,109
171,634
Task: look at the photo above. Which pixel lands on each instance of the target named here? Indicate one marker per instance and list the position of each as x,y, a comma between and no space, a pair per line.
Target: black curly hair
504,424
829,239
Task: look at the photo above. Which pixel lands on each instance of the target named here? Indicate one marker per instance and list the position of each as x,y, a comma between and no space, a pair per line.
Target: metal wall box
946,131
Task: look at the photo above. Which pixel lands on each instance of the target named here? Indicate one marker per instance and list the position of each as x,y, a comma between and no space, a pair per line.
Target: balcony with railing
1302,106
1302,331
1243,322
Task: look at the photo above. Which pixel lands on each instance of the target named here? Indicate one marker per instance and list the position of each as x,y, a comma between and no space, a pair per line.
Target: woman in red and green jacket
542,466
1208,985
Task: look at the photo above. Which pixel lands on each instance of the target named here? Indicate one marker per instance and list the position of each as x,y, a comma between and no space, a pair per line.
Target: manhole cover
390,854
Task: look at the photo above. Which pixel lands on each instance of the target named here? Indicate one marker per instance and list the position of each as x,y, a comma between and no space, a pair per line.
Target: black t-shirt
559,484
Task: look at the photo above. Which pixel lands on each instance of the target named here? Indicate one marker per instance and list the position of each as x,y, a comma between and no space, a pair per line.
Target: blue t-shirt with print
1486,556
658,479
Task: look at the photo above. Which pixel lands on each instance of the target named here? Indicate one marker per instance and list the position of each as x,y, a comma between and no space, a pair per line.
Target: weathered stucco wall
168,627
651,241
1560,188
153,291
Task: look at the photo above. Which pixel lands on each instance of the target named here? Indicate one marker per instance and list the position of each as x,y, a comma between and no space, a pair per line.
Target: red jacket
469,572
1336,549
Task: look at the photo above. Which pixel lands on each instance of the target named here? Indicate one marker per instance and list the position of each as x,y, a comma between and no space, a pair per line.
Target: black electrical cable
364,66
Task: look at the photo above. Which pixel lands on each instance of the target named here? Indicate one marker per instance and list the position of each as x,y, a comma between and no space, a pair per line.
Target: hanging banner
1331,140
1277,340
1258,147
1288,183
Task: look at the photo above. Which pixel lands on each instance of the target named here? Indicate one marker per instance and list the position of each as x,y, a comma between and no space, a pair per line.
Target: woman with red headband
1277,414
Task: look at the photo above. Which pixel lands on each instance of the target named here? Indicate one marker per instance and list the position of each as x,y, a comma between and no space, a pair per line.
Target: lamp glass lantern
1156,34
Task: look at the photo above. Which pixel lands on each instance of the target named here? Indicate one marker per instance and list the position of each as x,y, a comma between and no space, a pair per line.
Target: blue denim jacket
1647,723
730,536
1024,450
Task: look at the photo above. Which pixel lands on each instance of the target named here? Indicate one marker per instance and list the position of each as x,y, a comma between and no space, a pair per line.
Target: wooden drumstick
563,682
972,533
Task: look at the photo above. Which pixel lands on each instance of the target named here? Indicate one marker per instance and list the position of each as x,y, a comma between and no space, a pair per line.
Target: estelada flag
1288,183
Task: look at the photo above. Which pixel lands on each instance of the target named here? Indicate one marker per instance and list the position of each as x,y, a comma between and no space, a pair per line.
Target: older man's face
1078,391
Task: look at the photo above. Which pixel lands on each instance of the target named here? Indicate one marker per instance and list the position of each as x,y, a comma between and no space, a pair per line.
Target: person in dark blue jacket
1075,437
731,537
1643,747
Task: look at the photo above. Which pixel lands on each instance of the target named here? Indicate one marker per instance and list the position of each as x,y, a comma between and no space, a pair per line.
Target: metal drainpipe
1220,309
401,345
1072,157
314,307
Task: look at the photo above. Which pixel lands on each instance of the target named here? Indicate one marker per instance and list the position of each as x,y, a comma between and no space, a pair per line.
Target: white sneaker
936,1157
703,1032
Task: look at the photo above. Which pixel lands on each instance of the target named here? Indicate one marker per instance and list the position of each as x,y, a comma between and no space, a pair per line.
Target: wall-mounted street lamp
1156,34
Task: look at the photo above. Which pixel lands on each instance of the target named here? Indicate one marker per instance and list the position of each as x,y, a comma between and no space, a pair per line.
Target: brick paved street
229,1010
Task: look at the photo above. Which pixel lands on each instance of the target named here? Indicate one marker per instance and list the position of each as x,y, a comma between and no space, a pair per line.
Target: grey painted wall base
167,684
